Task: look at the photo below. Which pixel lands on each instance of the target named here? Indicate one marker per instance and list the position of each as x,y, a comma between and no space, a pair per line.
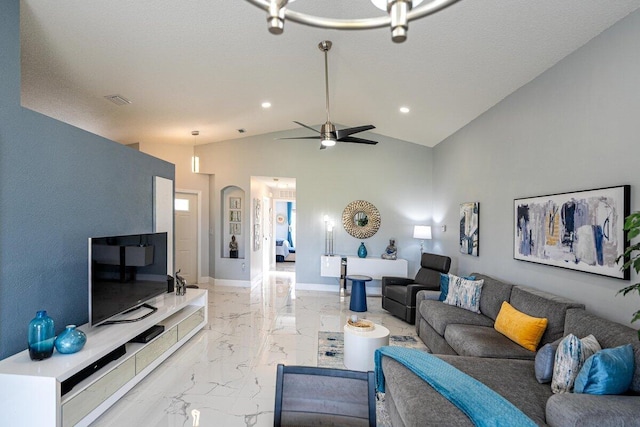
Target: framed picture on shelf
235,203
234,216
235,228
581,230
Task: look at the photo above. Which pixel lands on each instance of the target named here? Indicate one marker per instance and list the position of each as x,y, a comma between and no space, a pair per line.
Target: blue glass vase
41,336
362,251
71,340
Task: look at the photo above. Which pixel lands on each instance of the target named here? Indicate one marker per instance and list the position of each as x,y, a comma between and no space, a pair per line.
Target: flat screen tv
124,273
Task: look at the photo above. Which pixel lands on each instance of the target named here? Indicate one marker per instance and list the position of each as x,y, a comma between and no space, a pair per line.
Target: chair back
431,267
306,395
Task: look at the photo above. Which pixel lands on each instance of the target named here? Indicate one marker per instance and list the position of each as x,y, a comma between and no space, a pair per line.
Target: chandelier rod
356,24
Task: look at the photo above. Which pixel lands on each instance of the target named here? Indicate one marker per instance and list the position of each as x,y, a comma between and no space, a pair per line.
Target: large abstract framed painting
581,231
469,228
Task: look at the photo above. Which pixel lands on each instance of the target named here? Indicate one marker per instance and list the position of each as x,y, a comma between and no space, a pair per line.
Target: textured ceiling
209,64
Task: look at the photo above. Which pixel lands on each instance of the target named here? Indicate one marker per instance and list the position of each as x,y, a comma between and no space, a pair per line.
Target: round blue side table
358,293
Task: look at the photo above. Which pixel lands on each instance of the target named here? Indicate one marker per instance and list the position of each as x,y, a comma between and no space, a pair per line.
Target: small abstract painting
469,228
581,230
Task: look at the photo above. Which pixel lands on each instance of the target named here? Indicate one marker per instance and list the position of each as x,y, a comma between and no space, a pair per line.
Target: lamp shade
422,232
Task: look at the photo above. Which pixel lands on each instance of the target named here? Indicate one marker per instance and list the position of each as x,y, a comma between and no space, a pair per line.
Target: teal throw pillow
444,285
609,371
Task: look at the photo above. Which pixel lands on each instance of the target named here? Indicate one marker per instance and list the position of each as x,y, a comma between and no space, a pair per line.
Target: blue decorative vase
41,336
362,251
71,340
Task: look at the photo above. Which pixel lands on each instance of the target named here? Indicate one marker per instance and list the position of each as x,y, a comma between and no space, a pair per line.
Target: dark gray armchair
399,293
310,396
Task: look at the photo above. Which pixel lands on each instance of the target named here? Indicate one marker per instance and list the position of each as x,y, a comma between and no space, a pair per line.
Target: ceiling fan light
328,142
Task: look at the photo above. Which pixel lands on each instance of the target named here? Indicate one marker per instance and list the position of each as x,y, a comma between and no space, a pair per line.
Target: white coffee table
360,346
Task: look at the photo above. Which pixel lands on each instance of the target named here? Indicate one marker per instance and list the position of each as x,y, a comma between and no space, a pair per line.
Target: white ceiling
209,64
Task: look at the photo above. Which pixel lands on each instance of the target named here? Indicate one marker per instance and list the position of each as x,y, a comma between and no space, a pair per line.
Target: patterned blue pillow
464,293
570,356
444,285
609,371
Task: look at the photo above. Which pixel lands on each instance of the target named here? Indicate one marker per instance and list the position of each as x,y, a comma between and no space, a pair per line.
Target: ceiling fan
328,134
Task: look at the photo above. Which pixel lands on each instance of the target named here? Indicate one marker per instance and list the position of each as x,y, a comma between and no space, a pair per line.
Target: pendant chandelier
400,13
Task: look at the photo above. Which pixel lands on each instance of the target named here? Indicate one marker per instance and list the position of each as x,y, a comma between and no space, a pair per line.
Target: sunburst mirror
361,219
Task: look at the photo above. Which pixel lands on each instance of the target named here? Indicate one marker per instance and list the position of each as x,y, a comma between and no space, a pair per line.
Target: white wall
394,175
575,127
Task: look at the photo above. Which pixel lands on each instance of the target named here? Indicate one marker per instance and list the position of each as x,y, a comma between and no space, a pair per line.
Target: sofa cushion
420,405
484,341
493,293
543,304
570,356
464,293
609,371
439,315
585,410
609,334
519,327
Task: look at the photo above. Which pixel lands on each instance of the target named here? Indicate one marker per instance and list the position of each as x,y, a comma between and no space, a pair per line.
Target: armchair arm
573,409
422,296
390,280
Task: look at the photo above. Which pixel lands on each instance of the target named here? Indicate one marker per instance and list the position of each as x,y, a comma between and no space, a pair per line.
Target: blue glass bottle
41,336
71,340
362,251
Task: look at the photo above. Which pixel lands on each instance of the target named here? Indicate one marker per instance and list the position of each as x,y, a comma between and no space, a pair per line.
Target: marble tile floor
225,375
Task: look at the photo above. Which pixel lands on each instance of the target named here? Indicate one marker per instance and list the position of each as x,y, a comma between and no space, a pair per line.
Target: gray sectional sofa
468,341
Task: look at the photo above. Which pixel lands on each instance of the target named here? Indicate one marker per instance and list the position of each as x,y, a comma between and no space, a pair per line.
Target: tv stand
31,391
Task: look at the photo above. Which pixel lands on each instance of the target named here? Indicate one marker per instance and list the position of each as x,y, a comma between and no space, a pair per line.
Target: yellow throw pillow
519,327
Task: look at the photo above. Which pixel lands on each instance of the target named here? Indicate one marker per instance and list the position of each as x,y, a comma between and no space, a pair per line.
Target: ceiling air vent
118,99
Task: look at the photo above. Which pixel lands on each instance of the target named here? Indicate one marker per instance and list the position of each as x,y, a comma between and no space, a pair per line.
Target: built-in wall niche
234,225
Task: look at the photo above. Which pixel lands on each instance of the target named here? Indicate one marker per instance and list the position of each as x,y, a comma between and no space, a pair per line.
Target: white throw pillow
464,293
570,356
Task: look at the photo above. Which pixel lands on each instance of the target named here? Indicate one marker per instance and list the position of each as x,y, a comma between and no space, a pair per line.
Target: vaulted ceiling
209,64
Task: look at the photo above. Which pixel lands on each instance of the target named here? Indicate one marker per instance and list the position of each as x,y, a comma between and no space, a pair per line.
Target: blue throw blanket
481,404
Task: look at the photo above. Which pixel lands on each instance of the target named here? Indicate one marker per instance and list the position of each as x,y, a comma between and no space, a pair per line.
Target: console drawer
155,349
188,324
79,406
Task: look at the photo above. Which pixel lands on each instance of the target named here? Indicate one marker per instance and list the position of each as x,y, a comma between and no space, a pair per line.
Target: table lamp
422,232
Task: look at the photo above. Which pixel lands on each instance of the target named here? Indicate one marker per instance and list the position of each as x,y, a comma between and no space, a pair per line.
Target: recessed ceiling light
266,105
404,110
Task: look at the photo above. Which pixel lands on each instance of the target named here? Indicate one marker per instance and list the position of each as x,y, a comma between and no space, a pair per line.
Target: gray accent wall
59,185
575,127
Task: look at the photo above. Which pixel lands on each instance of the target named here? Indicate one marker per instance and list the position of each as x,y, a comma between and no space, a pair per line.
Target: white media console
31,391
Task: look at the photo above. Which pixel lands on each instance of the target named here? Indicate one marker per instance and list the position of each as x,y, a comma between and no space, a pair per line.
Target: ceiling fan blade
323,147
350,131
358,140
301,137
305,126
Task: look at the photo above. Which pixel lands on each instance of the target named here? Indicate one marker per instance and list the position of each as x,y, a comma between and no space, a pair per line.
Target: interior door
186,238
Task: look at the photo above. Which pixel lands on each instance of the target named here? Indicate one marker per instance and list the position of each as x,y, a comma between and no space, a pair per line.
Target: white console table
376,268
31,391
